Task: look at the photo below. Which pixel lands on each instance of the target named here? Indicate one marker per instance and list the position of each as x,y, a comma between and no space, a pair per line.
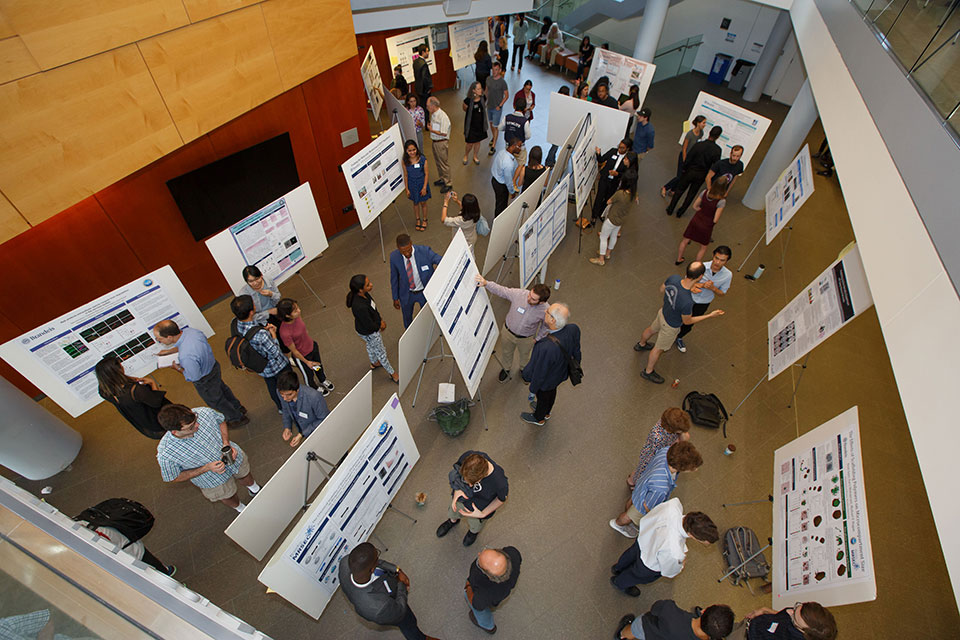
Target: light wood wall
90,92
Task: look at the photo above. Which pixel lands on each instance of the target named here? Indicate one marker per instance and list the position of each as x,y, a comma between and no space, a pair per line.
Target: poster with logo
740,127
402,50
465,37
584,162
789,192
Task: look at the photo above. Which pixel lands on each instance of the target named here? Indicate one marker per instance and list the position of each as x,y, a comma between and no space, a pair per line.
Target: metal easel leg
427,358
759,382
515,245
796,387
397,209
380,542
390,507
382,252
483,410
769,498
783,254
307,284
313,457
762,236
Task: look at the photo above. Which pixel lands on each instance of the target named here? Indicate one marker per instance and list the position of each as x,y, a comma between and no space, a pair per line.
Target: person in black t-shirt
700,159
667,621
493,575
479,487
732,167
802,621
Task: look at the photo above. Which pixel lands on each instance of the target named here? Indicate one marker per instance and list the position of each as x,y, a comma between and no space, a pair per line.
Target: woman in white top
468,218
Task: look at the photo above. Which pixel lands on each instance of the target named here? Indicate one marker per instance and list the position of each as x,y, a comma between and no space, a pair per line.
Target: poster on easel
740,127
402,50
543,231
789,192
374,175
584,162
622,71
465,37
372,83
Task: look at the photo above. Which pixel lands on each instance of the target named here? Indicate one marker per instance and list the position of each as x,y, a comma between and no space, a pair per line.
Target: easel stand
383,253
769,498
588,205
313,457
796,387
393,508
307,285
426,358
783,254
514,247
759,240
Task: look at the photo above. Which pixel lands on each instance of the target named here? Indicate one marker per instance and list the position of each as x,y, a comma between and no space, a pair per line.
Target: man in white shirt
661,546
439,129
714,282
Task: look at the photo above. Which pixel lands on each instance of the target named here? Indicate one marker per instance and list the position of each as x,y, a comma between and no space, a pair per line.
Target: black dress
476,116
140,404
530,176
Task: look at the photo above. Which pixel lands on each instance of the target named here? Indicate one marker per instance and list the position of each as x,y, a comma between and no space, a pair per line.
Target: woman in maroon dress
708,206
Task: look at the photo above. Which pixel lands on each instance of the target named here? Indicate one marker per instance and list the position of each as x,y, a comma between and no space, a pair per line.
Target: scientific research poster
372,82
836,297
463,311
268,240
465,37
543,231
789,192
739,125
402,51
623,71
374,175
584,162
822,537
59,357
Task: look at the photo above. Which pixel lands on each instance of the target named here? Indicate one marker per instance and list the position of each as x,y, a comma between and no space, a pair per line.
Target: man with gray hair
549,363
493,575
439,129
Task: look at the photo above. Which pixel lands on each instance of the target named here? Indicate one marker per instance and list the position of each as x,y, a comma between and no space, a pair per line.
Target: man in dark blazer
411,267
608,178
378,591
548,365
700,159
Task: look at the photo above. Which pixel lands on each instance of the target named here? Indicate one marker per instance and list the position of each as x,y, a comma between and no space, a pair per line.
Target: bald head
432,104
495,564
166,332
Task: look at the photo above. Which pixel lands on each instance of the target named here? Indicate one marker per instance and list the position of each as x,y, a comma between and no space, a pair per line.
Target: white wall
432,13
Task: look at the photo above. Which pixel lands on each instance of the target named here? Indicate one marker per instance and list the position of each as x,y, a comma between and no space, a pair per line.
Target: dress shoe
444,528
469,539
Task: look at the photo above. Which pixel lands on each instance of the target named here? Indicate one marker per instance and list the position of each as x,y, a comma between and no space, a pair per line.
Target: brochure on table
374,175
834,298
463,311
584,162
543,231
402,51
465,37
622,71
790,191
59,356
372,83
740,126
821,543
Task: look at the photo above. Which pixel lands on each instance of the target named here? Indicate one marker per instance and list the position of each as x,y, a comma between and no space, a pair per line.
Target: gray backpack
741,547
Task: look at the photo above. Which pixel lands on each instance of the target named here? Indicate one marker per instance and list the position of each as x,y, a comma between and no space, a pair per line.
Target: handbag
483,227
574,370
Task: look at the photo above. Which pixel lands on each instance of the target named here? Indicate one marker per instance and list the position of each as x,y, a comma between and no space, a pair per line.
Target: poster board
399,115
834,298
372,82
584,162
465,37
303,571
543,231
563,156
503,229
374,175
440,38
789,192
821,541
623,71
566,111
740,126
416,340
280,499
463,311
401,49
59,356
279,239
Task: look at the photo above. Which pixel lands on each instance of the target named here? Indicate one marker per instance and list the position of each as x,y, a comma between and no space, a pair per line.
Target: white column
784,148
768,59
654,14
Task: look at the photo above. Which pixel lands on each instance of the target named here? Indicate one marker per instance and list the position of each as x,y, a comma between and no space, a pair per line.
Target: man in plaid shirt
191,450
263,342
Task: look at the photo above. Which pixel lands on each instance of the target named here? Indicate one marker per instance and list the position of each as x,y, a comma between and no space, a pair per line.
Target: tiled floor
567,479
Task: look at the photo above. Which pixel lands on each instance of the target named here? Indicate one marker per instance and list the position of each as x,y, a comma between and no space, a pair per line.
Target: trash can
718,72
741,71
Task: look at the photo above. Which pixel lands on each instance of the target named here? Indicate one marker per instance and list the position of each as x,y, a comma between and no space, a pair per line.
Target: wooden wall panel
6,30
199,10
66,133
60,31
11,222
15,61
213,71
303,48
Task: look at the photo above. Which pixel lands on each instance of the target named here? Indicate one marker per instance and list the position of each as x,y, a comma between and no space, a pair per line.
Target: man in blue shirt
643,133
502,172
196,362
411,267
303,407
263,342
715,282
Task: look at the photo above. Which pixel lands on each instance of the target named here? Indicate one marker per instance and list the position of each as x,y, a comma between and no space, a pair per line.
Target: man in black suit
700,158
608,180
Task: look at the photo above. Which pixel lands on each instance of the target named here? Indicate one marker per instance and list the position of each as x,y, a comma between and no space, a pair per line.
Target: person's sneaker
625,622
642,347
529,418
625,530
653,377
504,374
444,528
473,619
329,386
324,391
682,348
469,539
438,183
171,570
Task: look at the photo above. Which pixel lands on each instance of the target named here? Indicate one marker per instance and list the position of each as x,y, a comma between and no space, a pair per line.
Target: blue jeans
484,616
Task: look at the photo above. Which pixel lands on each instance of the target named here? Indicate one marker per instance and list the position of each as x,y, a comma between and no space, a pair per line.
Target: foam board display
374,175
740,126
789,192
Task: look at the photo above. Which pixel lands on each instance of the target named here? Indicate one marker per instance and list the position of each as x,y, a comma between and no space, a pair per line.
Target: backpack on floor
241,352
129,517
453,418
706,410
739,543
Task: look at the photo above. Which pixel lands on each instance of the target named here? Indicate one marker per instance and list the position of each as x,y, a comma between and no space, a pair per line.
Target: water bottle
556,284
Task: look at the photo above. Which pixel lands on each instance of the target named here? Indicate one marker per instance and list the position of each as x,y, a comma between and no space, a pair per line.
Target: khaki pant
440,148
509,344
474,524
229,488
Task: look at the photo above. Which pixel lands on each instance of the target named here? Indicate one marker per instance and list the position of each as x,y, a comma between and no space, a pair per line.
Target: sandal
476,160
376,365
466,161
296,440
598,261
423,226
419,226
680,261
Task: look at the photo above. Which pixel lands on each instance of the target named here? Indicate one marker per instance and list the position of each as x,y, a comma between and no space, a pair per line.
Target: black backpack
574,370
706,410
241,352
129,517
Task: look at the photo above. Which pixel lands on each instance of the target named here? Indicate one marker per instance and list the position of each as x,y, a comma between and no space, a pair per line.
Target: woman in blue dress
416,179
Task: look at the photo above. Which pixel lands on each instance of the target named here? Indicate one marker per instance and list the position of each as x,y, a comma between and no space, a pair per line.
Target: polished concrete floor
567,479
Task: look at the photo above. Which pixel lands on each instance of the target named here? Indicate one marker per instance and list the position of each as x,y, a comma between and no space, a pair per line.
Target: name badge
425,267
373,304
416,166
303,415
773,627
521,310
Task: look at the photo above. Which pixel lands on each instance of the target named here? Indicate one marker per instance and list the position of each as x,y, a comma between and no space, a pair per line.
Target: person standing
730,168
135,549
516,125
474,122
196,362
502,174
524,324
529,99
519,41
643,133
478,488
666,620
303,408
672,427
411,267
468,218
496,92
699,161
263,339
483,63
549,362
264,293
377,590
691,138
586,58
416,181
715,281
600,94
399,82
708,207
139,400
608,179
368,323
439,129
621,205
415,109
303,348
493,575
533,170
802,621
630,104
423,81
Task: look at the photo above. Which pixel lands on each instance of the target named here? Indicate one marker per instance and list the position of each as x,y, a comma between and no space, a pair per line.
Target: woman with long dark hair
630,104
586,57
303,348
139,400
474,122
621,205
368,323
416,180
468,218
709,207
484,63
415,109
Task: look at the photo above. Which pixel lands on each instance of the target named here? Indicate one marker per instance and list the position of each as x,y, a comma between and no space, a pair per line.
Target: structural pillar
654,15
784,148
768,58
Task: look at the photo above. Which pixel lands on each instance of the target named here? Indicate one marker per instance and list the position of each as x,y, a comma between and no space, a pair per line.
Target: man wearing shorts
192,450
496,90
676,311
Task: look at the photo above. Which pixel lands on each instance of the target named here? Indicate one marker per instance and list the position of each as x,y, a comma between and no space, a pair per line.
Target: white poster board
789,192
59,356
543,231
402,51
821,541
465,37
740,126
503,230
563,156
584,163
566,112
372,83
304,569
463,311
414,344
279,239
281,498
834,298
623,71
399,115
374,175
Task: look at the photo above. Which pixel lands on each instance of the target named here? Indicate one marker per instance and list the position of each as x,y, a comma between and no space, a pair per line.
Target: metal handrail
682,46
